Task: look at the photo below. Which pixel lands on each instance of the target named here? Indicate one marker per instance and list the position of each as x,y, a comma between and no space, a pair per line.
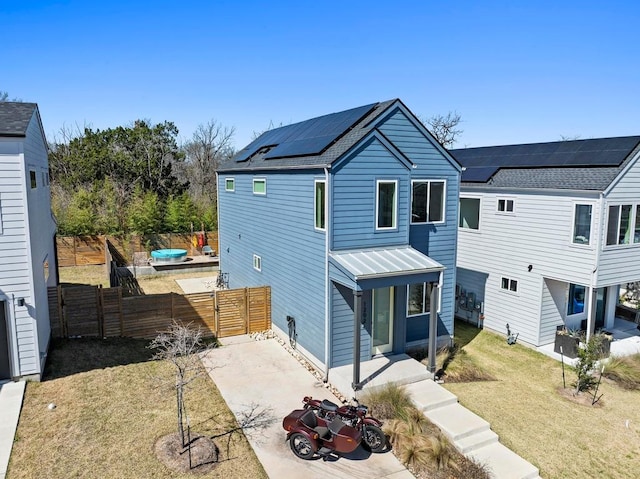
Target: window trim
506,200
444,201
315,205
470,197
573,226
259,180
584,300
257,263
510,281
633,218
233,184
423,299
394,225
33,179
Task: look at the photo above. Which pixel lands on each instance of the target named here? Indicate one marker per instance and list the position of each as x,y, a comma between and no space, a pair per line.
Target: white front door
382,323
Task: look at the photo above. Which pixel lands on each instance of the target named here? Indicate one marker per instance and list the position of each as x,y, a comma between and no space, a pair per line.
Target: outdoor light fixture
20,302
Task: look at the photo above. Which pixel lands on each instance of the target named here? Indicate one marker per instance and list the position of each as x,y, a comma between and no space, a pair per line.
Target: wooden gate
242,311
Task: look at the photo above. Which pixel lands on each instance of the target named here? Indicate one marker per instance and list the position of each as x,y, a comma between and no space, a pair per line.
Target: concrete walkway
262,373
11,395
470,434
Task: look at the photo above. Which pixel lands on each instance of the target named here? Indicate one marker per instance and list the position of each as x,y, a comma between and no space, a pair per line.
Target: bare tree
210,144
4,96
181,345
569,137
445,128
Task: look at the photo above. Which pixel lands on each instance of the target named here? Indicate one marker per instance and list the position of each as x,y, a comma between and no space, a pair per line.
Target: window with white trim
419,298
577,293
469,213
257,262
509,284
582,224
427,201
386,204
320,204
505,205
259,186
623,224
230,184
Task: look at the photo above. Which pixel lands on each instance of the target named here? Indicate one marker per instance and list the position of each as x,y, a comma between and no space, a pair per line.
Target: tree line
136,178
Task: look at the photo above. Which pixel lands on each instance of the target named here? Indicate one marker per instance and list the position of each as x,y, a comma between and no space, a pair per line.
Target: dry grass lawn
152,284
110,412
563,439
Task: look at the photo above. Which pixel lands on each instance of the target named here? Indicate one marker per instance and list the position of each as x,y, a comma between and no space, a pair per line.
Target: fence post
120,310
100,306
63,326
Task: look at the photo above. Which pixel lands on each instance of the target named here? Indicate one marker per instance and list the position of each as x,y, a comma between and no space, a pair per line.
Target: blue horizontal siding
354,199
279,227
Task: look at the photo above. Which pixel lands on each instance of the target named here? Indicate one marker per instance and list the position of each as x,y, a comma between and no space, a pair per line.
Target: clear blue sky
516,71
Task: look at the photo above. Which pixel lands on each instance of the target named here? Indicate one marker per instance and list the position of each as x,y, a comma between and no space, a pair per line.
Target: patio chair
207,251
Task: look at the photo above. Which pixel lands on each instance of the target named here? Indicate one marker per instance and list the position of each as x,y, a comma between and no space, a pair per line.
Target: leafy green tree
181,214
79,217
145,212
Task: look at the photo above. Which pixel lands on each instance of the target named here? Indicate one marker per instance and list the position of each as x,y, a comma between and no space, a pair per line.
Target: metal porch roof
385,262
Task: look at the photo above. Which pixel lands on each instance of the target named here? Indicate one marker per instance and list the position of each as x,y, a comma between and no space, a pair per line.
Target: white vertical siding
553,309
537,234
619,264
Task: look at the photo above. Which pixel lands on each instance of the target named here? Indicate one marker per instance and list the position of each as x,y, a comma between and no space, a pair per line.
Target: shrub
388,403
624,370
588,355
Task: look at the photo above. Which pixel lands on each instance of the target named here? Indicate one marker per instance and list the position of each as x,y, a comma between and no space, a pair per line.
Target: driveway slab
262,373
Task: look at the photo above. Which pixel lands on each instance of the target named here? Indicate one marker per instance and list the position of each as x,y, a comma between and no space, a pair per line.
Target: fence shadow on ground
77,355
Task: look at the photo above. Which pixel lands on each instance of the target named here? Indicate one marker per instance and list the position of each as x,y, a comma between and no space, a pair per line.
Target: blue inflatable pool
169,255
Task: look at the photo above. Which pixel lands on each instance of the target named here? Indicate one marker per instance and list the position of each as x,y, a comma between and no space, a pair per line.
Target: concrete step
476,441
427,395
504,463
456,421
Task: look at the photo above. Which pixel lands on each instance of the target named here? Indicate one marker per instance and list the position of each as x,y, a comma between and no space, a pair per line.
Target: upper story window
509,284
427,201
469,213
33,178
320,204
259,186
229,184
386,204
582,224
505,205
623,224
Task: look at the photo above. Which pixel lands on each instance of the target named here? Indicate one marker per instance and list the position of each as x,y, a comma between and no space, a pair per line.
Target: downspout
327,283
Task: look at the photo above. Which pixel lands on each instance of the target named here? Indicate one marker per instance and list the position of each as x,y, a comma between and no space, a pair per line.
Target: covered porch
369,315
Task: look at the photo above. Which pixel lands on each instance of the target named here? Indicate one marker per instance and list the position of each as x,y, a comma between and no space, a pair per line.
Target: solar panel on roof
308,137
478,174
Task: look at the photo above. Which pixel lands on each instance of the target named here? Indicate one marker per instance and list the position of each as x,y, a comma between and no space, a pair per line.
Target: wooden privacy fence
86,250
104,312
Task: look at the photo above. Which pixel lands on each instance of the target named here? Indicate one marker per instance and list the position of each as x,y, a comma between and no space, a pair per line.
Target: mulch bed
582,398
204,453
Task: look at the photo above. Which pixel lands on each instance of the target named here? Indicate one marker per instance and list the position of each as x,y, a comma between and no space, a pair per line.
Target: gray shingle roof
350,137
15,117
578,164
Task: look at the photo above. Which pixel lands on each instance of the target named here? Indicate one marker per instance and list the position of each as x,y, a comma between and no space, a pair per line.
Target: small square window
509,284
257,262
505,205
33,178
259,186
229,184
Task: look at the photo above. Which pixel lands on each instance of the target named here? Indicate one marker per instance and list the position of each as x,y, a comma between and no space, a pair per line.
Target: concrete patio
626,341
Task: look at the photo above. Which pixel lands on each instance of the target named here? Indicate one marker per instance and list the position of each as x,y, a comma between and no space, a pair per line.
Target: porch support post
433,328
591,314
357,316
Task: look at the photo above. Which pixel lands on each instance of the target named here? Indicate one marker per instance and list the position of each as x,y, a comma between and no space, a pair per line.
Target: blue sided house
351,219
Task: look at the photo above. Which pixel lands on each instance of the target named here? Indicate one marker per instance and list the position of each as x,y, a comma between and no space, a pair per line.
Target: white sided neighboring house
27,243
548,234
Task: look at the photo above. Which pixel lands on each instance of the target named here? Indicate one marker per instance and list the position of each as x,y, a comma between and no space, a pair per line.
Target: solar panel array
482,163
309,137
